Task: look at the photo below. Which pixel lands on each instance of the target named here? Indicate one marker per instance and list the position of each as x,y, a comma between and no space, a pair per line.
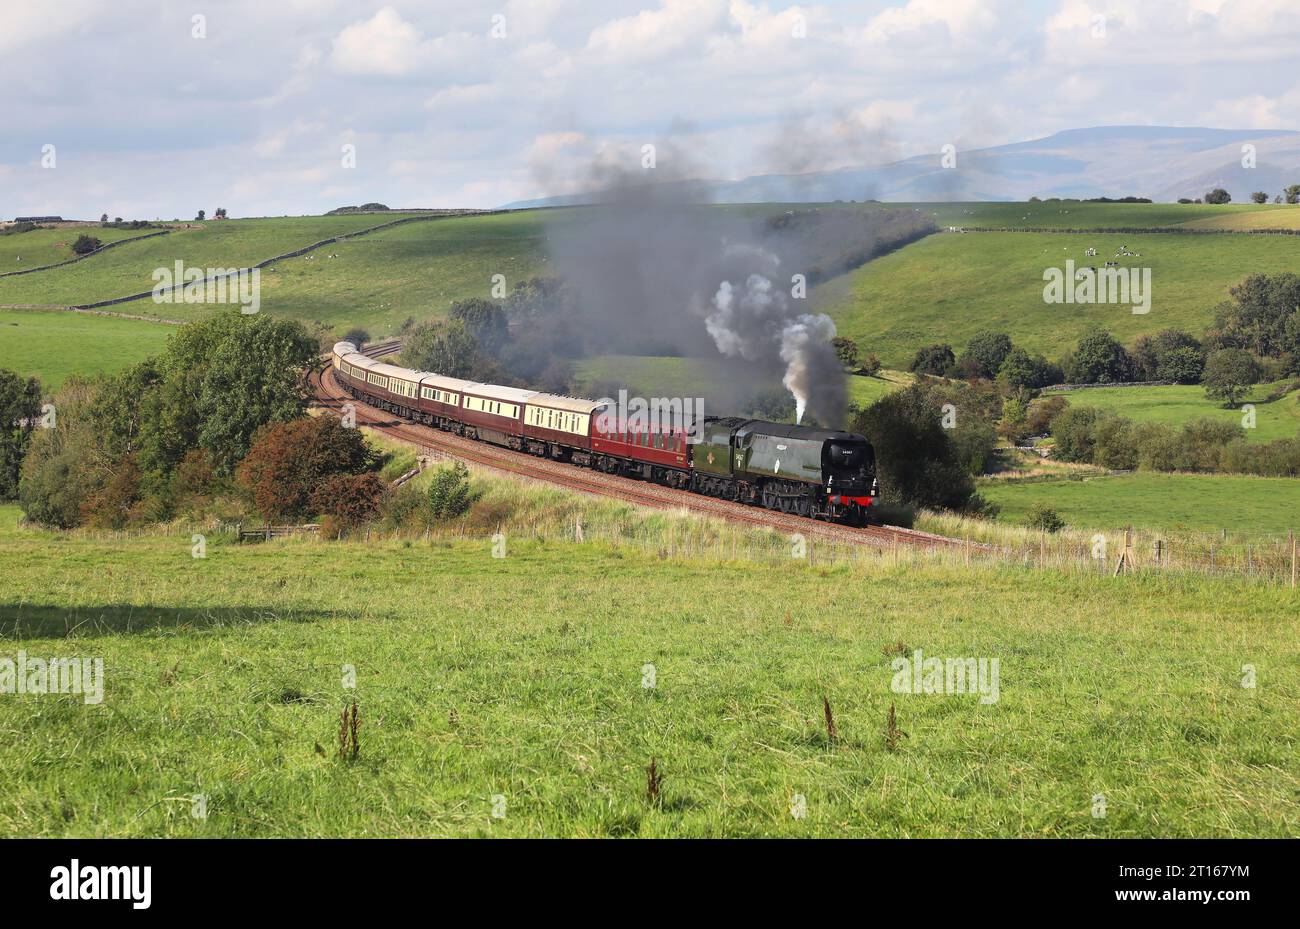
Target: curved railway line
329,395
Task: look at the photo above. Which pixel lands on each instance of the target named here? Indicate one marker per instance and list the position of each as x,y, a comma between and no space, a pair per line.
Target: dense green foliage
1229,373
120,439
920,462
20,409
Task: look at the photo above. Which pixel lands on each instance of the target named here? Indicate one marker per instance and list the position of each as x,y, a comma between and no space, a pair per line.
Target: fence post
1159,553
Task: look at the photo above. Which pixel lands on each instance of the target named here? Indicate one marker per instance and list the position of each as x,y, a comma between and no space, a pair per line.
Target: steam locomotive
819,473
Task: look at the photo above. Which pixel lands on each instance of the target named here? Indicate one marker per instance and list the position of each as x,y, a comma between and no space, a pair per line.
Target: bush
1182,366
1114,447
450,495
1073,434
1043,517
870,365
85,244
59,471
351,498
934,359
1043,412
290,461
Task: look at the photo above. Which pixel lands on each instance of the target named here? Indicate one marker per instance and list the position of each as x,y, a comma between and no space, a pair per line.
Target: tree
220,213
219,381
846,350
1020,370
1182,366
1259,196
1292,194
201,215
444,348
1262,314
1228,374
63,464
20,410
484,320
290,461
1099,359
1218,195
1073,433
103,218
870,365
934,359
916,460
85,244
986,351
1153,356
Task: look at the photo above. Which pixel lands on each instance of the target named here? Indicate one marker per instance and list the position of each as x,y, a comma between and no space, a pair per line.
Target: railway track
330,395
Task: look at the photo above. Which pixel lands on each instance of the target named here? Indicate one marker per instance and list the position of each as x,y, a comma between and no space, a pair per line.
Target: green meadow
532,702
1149,500
53,344
949,286
1080,215
1178,404
46,246
127,269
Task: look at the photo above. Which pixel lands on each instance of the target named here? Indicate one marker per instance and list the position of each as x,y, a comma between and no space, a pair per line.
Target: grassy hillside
416,270
223,244
1278,217
54,344
1178,404
224,678
1150,500
1095,215
1021,214
48,246
949,286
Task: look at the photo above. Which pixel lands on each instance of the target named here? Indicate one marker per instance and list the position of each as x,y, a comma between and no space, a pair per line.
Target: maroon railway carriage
651,451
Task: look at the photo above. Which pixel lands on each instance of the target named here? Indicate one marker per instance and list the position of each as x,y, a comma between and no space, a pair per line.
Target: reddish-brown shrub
288,461
352,498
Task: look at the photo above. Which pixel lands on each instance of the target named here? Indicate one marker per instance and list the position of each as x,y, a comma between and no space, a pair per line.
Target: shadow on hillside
30,621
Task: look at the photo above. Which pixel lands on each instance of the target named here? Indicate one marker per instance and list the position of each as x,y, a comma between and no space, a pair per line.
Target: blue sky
154,113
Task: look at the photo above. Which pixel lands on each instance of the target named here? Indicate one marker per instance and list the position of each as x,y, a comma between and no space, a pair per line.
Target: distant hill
1160,162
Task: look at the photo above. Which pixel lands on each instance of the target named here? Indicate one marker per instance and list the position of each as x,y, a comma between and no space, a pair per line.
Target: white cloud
442,113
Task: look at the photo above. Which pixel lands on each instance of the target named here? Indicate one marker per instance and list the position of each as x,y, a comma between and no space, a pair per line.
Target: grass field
223,244
1278,217
47,246
54,344
224,679
416,270
949,286
1178,404
1078,215
1158,501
